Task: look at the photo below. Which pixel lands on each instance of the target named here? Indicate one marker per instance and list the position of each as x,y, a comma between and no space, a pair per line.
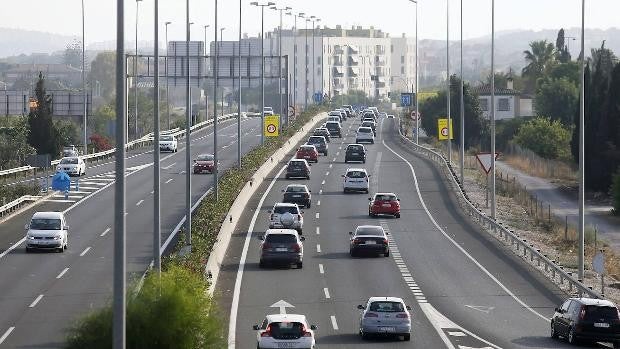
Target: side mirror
313,327
369,199
361,307
408,307
302,238
309,191
66,227
283,190
397,199
369,176
342,176
302,212
350,233
255,327
26,226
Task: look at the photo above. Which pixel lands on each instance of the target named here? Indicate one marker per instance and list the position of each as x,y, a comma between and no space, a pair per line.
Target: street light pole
582,168
84,94
262,66
448,80
306,54
239,94
215,75
493,216
156,153
166,71
294,61
217,57
188,122
135,73
282,112
314,18
462,163
417,121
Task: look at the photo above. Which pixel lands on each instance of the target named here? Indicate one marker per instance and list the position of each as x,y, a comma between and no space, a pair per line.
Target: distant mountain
14,42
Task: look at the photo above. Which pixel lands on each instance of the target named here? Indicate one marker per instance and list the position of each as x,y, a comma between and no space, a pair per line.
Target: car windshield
356,174
45,224
286,330
385,198
364,130
387,307
281,238
66,161
166,138
595,313
369,231
295,189
285,209
205,157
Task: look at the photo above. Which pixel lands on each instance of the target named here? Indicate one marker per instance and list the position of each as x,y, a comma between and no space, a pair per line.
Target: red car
204,163
307,152
384,203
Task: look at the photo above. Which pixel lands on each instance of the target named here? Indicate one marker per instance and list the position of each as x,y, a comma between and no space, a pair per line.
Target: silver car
388,316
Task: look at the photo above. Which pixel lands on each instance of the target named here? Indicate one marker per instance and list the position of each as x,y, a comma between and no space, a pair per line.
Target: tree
545,137
562,54
557,99
73,54
539,59
603,59
103,71
435,107
43,136
68,131
99,121
14,147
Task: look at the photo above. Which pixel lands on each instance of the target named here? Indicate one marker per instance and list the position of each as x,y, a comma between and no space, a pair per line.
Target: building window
484,104
392,48
295,48
318,71
402,59
402,69
318,60
503,104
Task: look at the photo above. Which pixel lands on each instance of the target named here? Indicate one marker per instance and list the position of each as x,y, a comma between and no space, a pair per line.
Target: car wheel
325,153
397,215
300,265
352,253
364,335
387,254
261,264
372,142
60,249
554,334
309,204
28,249
363,162
307,177
407,337
571,336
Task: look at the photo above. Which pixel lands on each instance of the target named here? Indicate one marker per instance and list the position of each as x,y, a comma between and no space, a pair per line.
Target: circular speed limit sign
444,132
271,128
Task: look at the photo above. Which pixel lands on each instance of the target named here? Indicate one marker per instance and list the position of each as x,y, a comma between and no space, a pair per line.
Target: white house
509,103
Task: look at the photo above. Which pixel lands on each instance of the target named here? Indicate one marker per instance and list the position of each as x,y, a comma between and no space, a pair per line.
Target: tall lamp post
282,112
215,76
302,15
262,66
135,73
448,80
462,162
84,94
166,72
239,93
156,153
581,145
188,122
206,94
492,116
217,58
314,20
294,59
417,121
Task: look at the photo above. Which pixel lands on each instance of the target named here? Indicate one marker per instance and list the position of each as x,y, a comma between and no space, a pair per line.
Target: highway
465,290
44,293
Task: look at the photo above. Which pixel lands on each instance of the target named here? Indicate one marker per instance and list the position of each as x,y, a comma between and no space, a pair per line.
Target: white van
47,230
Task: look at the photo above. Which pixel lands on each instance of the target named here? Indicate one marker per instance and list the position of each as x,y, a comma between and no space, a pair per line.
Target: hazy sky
393,16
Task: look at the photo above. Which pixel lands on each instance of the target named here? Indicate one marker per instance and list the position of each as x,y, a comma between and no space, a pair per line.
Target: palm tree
541,56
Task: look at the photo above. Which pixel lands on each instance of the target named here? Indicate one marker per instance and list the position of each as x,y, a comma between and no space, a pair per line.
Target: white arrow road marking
481,308
282,304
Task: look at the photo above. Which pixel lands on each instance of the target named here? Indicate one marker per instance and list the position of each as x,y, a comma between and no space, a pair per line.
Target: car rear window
296,164
295,189
205,157
306,148
364,130
356,174
281,239
45,224
316,140
332,125
285,209
286,330
69,161
385,198
387,307
165,138
595,313
369,231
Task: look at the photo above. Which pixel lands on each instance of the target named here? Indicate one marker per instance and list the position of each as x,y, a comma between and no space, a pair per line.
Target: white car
168,143
355,179
387,316
285,331
365,134
73,166
286,216
268,111
334,118
47,230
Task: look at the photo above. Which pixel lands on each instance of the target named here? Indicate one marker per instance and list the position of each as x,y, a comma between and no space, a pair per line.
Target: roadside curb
216,257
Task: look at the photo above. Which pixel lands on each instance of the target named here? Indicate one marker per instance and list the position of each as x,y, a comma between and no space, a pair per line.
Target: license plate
601,324
370,242
387,329
285,345
386,205
355,154
296,196
281,249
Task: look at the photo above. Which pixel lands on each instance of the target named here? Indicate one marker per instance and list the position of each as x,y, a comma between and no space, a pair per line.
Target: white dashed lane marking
318,248
334,323
105,232
318,203
85,251
36,301
318,232
326,291
321,269
62,273
317,215
139,202
170,180
6,334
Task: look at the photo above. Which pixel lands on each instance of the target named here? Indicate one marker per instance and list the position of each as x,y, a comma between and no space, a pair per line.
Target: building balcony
338,51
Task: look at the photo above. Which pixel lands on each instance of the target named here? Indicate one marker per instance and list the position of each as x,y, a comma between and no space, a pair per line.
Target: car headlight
58,168
58,237
29,237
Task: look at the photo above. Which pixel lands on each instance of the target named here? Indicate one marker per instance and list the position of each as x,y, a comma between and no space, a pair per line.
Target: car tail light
296,248
371,315
582,313
266,246
267,332
385,241
357,241
402,316
271,217
304,332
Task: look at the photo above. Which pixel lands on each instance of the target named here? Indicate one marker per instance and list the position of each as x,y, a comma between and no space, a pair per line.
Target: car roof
355,144
47,215
356,169
71,157
316,136
332,122
369,226
281,232
386,194
284,204
286,318
364,127
594,301
298,160
297,185
384,299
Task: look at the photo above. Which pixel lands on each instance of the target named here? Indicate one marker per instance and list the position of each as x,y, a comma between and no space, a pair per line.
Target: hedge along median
208,231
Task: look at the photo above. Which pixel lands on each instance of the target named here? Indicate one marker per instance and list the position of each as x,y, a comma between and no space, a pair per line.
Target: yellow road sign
272,125
442,129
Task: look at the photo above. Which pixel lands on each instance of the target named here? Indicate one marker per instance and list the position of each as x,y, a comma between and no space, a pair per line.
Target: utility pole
417,121
282,112
135,73
462,164
188,123
84,93
215,76
156,153
448,80
314,18
582,154
239,94
493,215
295,49
166,69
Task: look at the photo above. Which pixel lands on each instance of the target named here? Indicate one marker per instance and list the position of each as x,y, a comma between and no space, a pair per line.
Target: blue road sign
61,182
406,99
317,97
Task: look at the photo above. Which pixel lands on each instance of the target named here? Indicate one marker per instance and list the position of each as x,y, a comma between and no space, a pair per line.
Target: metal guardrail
15,204
145,140
526,250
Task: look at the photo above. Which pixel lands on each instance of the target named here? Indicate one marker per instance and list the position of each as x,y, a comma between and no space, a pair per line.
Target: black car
320,143
297,194
355,152
371,239
586,319
282,246
298,168
334,128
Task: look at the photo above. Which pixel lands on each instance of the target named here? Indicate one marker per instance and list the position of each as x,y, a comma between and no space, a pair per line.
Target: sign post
271,127
484,159
598,265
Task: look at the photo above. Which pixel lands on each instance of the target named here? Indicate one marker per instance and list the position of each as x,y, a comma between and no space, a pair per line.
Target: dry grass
550,169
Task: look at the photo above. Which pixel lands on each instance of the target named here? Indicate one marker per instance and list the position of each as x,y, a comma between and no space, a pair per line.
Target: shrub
615,192
546,138
172,312
100,143
12,192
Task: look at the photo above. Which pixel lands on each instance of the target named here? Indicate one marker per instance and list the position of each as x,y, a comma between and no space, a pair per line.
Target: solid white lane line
170,180
317,215
6,334
318,248
14,246
36,300
326,291
321,270
334,323
85,251
139,202
62,273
